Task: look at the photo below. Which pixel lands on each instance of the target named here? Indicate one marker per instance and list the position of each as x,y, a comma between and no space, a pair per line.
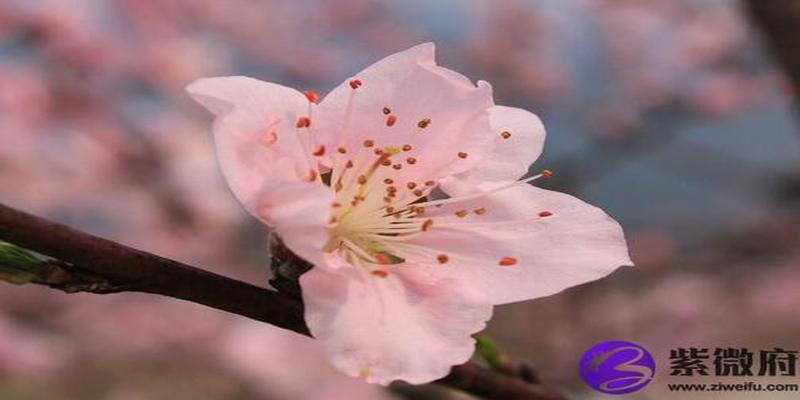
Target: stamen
311,96
507,261
269,139
380,273
303,122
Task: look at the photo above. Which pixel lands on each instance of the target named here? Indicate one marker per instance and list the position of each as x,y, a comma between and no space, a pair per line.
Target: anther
312,175
442,258
507,261
355,84
411,160
378,152
333,220
423,123
546,173
411,185
505,134
419,210
386,111
311,95
269,139
461,213
479,211
369,143
544,214
337,186
319,151
418,193
397,166
462,154
303,122
430,183
427,224
389,210
407,147
342,150
362,179
380,273
388,181
335,205
348,164
391,120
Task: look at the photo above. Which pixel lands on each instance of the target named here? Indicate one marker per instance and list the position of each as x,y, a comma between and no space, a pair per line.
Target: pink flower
401,280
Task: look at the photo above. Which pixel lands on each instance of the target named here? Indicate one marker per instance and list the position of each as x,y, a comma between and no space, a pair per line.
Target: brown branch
779,21
86,263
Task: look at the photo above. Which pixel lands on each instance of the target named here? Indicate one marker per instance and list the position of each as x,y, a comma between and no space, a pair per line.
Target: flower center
372,208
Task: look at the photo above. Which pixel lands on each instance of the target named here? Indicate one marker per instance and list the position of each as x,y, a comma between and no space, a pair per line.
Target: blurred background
669,114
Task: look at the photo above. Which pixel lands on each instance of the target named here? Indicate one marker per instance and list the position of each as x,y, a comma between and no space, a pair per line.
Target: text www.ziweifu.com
733,387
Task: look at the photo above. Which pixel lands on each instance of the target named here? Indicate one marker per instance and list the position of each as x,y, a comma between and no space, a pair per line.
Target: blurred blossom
270,358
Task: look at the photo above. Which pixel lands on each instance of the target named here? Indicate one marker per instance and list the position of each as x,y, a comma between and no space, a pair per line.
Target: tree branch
86,263
779,21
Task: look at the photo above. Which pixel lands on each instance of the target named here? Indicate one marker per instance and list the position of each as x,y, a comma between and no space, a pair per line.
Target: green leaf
489,351
17,265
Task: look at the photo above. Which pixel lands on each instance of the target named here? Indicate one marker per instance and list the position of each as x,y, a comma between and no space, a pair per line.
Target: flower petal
401,326
298,212
523,243
518,141
436,119
254,130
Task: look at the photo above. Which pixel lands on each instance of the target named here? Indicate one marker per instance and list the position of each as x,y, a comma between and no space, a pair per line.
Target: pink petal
255,133
526,243
407,100
266,165
298,212
518,141
402,326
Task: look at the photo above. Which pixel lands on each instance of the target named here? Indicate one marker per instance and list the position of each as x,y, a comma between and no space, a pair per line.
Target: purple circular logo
617,367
